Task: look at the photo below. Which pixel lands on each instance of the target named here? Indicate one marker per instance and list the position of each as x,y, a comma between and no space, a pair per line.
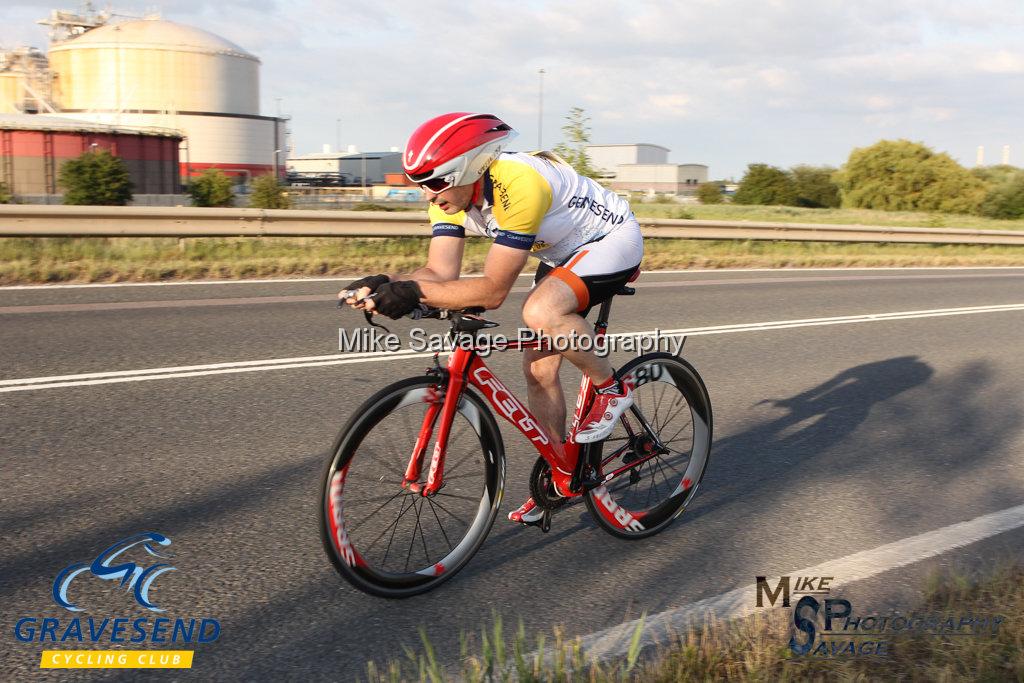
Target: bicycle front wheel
652,462
382,537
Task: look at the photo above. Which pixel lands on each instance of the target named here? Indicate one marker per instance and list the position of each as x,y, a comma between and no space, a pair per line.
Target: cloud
1001,62
722,83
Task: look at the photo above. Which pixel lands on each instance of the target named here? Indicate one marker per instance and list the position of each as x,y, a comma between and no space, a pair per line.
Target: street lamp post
540,109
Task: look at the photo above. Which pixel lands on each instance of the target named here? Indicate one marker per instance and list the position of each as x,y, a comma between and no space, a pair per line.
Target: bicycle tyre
342,516
620,505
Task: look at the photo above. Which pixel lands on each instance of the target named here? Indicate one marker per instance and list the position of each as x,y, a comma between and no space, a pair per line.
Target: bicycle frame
466,366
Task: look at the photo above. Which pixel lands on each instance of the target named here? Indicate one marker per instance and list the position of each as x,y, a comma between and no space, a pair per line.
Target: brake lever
350,293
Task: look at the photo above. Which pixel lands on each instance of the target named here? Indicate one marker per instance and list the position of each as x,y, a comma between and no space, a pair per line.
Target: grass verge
754,649
40,260
792,214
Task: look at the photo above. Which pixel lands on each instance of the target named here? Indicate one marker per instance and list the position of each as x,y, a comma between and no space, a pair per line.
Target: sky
719,82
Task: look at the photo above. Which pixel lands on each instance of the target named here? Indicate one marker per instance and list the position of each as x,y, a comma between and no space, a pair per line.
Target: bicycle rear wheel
385,539
654,459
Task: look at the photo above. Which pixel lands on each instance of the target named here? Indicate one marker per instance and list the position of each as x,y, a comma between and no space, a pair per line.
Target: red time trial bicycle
416,477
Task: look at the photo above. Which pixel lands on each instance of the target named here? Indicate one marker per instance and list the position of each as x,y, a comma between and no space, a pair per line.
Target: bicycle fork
446,408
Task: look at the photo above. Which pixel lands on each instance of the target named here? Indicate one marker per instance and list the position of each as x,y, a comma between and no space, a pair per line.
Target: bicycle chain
541,488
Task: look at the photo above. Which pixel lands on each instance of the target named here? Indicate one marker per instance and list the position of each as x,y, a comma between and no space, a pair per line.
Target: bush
1005,200
710,193
268,193
764,184
212,188
814,187
5,194
96,178
996,175
906,176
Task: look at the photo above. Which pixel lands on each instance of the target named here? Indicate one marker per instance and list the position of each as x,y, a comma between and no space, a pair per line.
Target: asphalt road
829,439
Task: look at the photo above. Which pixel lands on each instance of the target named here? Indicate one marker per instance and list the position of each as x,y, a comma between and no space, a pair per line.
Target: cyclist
586,238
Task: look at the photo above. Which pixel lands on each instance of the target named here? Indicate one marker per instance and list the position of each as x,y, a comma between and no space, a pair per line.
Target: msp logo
829,627
133,577
132,564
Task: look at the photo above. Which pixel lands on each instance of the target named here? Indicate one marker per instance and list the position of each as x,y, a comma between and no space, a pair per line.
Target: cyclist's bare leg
547,402
551,308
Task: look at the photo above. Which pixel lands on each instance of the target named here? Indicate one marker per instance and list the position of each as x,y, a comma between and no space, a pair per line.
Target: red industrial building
34,147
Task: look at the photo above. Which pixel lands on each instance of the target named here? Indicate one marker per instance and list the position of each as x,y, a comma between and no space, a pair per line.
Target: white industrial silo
154,72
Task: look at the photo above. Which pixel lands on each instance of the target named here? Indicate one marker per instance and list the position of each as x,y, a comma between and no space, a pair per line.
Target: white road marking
741,602
338,278
117,376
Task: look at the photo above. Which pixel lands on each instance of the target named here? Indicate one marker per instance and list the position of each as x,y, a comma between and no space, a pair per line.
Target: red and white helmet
454,149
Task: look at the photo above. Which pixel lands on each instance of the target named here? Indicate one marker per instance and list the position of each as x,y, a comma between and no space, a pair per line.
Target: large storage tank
157,73
10,89
25,81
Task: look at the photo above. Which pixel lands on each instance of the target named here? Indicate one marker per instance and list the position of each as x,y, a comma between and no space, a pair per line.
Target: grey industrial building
644,167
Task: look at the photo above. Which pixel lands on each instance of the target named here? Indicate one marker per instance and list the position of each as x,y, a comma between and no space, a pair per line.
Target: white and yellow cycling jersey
536,202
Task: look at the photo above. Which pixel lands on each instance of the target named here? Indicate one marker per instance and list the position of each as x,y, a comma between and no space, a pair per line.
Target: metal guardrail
151,221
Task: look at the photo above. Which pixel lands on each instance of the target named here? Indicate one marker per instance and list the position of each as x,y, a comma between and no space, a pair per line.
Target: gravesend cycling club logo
829,627
133,577
132,567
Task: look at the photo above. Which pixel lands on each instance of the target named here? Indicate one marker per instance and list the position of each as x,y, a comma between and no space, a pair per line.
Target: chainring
541,488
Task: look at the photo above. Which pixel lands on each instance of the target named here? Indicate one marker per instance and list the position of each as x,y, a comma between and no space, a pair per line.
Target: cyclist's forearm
478,291
424,274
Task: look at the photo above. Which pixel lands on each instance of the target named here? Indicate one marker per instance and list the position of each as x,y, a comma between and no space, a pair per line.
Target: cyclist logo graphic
133,577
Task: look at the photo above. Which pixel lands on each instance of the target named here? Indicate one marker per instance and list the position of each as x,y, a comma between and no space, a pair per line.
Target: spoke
678,432
650,489
412,541
460,476
423,536
682,405
671,466
394,528
661,470
460,430
462,462
381,460
657,403
450,513
459,497
373,499
379,508
439,525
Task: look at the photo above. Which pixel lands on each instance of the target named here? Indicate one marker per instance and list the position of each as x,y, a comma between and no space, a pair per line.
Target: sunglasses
440,184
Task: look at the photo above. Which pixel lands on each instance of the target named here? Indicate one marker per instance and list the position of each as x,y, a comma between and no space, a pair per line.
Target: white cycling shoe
527,513
603,415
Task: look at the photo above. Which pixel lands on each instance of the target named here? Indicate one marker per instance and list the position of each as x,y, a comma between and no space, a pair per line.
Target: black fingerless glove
396,299
371,281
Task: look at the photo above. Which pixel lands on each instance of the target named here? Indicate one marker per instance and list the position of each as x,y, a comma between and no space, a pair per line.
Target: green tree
268,193
710,193
577,135
899,175
96,178
814,187
764,184
1005,200
5,194
212,188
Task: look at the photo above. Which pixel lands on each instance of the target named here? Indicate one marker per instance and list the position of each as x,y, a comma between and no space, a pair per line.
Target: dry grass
36,260
753,649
